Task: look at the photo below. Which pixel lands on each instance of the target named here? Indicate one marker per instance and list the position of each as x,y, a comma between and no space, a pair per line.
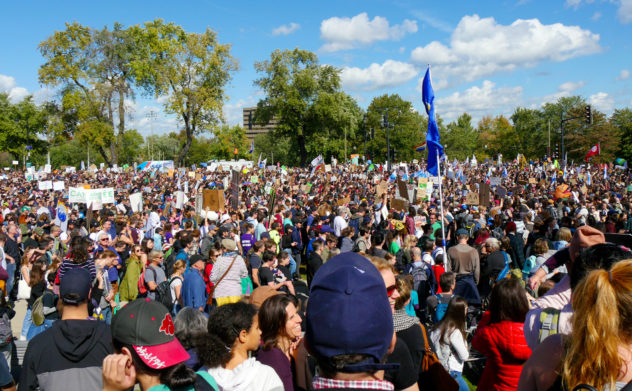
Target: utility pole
364,127
388,140
151,116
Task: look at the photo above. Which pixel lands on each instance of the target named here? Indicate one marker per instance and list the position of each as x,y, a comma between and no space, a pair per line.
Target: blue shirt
193,289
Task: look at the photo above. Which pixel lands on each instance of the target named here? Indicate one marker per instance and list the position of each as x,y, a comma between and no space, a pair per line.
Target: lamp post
387,125
364,127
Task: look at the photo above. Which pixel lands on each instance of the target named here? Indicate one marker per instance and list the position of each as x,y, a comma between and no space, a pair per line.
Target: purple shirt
247,240
276,359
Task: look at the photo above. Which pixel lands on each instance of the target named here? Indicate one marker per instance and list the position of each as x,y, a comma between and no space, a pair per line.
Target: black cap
195,258
74,287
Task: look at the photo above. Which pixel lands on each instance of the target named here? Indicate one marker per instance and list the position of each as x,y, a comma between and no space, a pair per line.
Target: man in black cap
350,325
69,355
193,286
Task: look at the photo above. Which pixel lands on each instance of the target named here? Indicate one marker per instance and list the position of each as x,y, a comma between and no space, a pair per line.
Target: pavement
16,322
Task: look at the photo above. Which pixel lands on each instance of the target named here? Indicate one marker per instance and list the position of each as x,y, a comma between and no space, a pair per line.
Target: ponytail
602,319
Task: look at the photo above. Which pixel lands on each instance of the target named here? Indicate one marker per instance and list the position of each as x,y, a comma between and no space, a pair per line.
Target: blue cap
76,283
348,312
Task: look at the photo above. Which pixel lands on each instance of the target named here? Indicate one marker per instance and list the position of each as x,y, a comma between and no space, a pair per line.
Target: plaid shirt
320,383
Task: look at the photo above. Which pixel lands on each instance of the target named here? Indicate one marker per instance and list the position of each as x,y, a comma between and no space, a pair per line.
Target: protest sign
213,199
483,194
136,202
87,196
494,181
398,204
58,185
403,191
179,199
45,185
472,198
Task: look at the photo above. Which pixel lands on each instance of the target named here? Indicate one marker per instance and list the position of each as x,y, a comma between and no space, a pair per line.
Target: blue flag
432,137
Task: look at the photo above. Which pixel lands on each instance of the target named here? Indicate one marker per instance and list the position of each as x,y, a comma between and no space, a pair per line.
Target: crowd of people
333,277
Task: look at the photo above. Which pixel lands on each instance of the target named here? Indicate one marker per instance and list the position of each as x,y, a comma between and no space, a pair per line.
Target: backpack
419,275
142,285
440,310
549,323
37,309
529,264
170,260
162,293
6,334
356,246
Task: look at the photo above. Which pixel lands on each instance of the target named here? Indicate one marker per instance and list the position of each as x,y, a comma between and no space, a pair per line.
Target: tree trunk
121,124
105,156
301,148
111,121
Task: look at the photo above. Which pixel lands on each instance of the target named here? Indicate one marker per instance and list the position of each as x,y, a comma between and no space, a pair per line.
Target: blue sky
487,57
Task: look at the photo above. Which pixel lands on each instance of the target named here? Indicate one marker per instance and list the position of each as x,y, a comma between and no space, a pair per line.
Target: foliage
293,81
189,70
20,125
273,148
407,128
460,139
131,148
226,139
621,121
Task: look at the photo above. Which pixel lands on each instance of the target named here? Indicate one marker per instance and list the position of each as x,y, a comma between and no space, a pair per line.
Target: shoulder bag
209,299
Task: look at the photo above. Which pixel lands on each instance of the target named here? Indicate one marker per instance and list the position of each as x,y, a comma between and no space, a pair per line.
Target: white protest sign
45,185
47,168
58,185
136,202
179,199
88,196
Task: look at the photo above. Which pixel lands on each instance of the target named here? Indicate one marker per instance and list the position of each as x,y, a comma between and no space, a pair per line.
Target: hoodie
250,375
68,356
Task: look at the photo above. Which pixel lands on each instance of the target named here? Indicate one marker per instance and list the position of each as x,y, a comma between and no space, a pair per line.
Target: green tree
91,67
460,138
292,82
276,149
189,70
21,124
531,131
131,147
621,120
407,128
225,140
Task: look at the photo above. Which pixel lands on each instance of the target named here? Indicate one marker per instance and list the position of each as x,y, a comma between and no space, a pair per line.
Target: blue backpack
441,309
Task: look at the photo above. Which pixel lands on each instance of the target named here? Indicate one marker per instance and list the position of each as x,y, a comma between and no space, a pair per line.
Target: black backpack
162,294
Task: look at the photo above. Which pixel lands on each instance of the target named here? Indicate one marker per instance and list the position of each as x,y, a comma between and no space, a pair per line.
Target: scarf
402,321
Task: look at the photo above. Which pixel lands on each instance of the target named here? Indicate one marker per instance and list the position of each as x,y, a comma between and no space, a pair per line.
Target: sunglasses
390,290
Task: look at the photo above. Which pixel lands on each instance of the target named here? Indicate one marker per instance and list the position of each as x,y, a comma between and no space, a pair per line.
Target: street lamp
388,126
364,127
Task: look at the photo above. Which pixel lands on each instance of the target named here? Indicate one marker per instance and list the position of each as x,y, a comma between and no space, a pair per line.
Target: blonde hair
381,264
602,321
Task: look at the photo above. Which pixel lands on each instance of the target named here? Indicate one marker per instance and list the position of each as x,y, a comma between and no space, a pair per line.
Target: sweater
68,356
276,359
506,349
231,284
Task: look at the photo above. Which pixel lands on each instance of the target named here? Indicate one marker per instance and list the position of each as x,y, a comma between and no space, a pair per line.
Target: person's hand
118,373
534,281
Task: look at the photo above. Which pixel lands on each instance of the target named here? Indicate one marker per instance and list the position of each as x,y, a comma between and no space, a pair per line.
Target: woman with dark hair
448,340
233,332
280,325
189,324
148,353
500,336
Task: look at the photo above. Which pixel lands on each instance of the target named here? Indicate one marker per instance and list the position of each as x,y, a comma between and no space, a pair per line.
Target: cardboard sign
403,190
483,194
533,181
136,202
45,185
343,201
327,167
501,191
381,188
398,204
472,198
213,199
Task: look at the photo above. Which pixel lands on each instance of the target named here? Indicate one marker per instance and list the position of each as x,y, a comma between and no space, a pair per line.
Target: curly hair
602,321
224,325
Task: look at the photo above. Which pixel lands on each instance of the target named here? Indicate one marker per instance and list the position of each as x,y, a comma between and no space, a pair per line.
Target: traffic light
588,115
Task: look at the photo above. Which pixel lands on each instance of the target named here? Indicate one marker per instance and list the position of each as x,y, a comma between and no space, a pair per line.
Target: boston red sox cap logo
167,325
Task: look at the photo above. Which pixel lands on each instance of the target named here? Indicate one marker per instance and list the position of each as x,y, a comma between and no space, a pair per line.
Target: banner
88,196
136,202
152,165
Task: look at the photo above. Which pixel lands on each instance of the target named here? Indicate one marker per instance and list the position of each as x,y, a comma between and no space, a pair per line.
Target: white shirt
339,224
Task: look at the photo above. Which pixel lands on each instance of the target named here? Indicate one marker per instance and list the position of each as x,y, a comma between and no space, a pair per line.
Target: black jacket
314,262
68,356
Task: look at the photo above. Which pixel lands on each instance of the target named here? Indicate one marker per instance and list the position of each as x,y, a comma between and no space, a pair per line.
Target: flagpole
445,252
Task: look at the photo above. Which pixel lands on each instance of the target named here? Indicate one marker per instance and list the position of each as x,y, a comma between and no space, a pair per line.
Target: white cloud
479,101
432,21
8,86
563,90
570,86
602,101
348,33
596,16
139,117
481,47
624,12
389,74
286,29
623,75
233,111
